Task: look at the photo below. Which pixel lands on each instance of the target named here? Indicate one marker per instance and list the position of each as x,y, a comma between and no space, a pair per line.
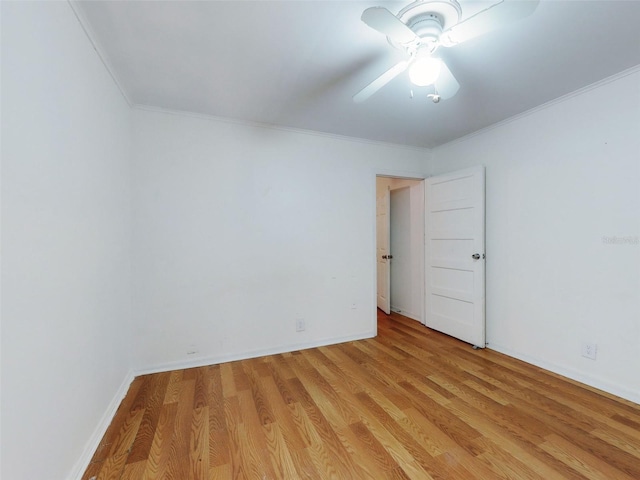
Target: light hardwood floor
410,403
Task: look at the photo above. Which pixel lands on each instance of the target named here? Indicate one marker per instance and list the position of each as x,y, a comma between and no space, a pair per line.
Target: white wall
240,230
65,242
559,180
400,248
401,251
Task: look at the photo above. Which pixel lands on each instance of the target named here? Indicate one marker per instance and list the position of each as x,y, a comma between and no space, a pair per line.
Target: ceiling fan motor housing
428,27
429,18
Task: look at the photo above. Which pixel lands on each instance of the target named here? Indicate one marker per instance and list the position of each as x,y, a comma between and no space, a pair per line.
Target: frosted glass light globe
425,71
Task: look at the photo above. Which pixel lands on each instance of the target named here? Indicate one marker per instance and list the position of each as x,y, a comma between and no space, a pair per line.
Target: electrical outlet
589,350
300,325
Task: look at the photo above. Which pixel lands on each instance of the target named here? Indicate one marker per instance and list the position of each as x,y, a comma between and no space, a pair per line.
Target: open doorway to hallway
400,245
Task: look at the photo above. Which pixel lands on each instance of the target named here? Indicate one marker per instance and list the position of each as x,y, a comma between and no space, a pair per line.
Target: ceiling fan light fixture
425,71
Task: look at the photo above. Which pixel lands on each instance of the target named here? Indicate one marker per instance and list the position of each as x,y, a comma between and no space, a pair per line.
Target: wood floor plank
620,440
153,406
456,467
113,467
415,448
173,388
218,431
254,461
353,374
128,431
409,404
332,449
585,464
233,420
256,453
283,416
504,465
262,404
279,453
515,442
461,464
201,388
396,449
433,440
133,470
355,448
335,409
460,432
221,472
228,383
324,463
157,460
177,463
199,443
304,464
145,390
304,425
576,428
373,449
279,376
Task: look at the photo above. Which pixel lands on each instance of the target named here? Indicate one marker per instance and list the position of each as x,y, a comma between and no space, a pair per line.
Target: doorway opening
445,233
400,213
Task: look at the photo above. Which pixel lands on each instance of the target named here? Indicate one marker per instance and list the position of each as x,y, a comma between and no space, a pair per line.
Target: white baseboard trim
406,313
92,445
595,382
215,359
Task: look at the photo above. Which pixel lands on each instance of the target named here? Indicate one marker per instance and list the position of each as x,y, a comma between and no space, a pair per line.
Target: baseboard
406,313
215,359
598,383
92,445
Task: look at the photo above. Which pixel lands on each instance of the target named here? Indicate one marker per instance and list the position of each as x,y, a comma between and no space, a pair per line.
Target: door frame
400,174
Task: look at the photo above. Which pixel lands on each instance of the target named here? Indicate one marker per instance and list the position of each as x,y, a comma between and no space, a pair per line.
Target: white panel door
383,229
455,289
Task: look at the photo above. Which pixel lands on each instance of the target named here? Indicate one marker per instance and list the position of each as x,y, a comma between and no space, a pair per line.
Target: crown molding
544,106
273,126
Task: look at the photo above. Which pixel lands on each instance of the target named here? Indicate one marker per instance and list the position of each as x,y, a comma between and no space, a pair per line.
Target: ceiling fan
423,26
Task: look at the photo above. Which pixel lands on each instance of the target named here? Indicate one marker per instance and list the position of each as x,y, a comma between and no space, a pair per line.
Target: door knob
476,256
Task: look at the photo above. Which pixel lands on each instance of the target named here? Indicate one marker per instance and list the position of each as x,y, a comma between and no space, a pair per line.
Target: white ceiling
298,63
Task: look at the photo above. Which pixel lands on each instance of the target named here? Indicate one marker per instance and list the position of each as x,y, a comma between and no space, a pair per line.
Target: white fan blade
446,84
385,22
492,18
381,81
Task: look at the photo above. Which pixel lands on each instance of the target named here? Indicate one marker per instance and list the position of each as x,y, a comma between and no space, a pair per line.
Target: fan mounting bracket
428,18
